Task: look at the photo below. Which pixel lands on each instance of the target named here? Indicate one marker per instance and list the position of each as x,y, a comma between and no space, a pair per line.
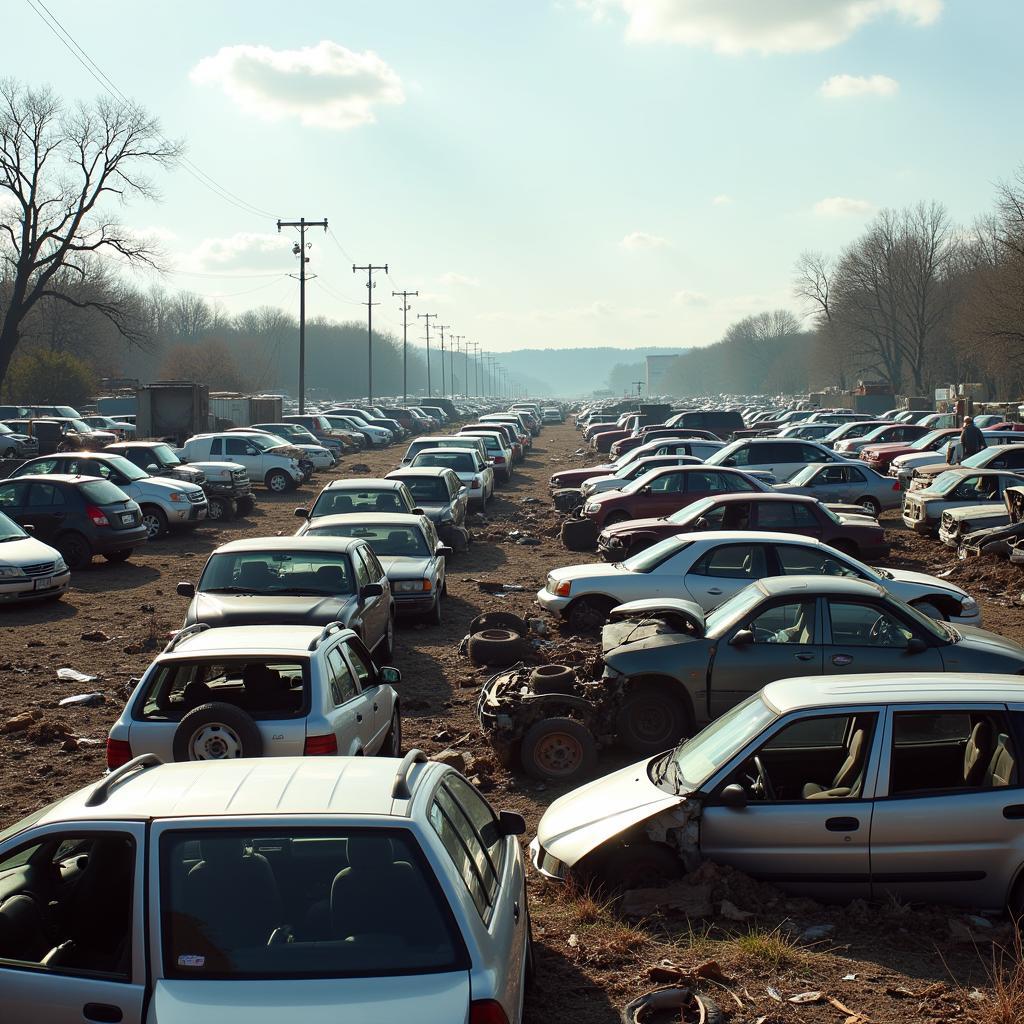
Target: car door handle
842,824
1014,812
105,1013
806,656
515,910
376,708
842,659
714,590
359,717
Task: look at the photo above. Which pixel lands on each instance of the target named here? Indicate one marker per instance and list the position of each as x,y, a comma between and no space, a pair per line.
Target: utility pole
299,249
369,323
426,317
405,307
465,362
442,328
639,384
476,368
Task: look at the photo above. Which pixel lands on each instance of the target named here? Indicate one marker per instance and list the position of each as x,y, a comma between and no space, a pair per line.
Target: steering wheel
881,631
761,785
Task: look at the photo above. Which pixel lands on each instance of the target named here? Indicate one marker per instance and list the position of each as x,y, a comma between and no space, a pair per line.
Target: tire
677,998
929,609
436,614
219,509
155,522
499,620
245,505
218,730
392,745
558,750
387,645
870,505
75,550
639,865
579,534
116,557
589,614
10,453
553,679
278,481
496,647
651,719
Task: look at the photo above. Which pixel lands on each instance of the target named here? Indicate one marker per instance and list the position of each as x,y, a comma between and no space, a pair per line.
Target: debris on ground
684,897
96,636
71,675
88,700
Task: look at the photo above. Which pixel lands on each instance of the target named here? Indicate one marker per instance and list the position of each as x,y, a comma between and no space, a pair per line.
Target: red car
664,491
603,442
879,456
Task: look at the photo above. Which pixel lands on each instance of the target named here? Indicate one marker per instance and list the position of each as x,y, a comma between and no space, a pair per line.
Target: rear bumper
117,540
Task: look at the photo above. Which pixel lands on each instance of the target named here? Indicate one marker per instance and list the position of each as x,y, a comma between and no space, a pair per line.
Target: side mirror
417,511
510,823
734,796
915,645
729,462
252,451
390,675
186,589
742,638
445,551
301,513
29,528
700,523
368,590
153,468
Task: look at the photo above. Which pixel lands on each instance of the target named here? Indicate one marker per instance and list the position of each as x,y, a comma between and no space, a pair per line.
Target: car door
370,624
777,640
660,497
377,700
787,831
376,610
46,510
76,896
870,636
14,499
946,825
828,483
238,449
458,495
351,716
722,571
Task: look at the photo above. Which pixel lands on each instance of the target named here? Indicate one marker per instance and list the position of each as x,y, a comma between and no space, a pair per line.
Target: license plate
44,584
128,518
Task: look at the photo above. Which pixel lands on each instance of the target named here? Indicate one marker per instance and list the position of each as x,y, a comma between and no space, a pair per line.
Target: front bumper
548,867
552,602
29,588
413,604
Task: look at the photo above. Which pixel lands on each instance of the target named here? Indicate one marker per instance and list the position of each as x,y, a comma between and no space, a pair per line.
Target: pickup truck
276,465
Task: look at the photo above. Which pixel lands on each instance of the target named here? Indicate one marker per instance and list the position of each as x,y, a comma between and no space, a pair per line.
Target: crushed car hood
639,525
256,609
582,820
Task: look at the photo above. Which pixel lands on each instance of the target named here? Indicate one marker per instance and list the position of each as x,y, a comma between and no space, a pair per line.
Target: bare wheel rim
214,742
649,721
559,753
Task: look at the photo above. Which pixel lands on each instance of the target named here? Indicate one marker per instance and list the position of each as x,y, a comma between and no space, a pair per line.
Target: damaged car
873,786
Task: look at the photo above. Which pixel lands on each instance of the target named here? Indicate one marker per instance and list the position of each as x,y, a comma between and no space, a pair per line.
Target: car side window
342,682
236,445
217,446
45,496
854,475
866,625
938,751
362,666
374,567
733,562
800,561
362,573
668,483
774,515
790,623
12,495
802,515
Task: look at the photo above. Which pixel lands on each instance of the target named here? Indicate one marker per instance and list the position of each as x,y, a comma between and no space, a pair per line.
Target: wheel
651,719
215,732
496,647
638,866
499,620
927,608
155,522
558,750
278,481
870,505
9,453
588,614
387,646
75,550
219,509
435,614
392,745
553,679
119,556
245,505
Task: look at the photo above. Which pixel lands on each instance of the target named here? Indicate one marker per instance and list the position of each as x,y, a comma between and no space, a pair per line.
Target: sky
543,172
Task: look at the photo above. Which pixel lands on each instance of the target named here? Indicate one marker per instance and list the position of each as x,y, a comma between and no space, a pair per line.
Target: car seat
263,688
340,505
255,575
332,577
23,934
387,501
978,753
1002,769
849,778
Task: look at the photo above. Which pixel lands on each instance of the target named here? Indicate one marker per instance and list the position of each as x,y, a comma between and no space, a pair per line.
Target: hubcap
277,483
152,526
649,722
214,742
559,753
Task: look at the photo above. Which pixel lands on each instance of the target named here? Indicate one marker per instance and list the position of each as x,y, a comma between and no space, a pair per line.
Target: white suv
340,889
265,458
250,691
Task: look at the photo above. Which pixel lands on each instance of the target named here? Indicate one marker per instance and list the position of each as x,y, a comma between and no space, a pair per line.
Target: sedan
782,456
659,446
709,568
29,569
851,485
615,482
871,789
473,472
888,433
438,493
922,509
360,494
996,456
409,549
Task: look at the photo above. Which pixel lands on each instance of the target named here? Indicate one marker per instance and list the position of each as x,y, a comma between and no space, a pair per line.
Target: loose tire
214,732
155,522
650,720
496,647
278,481
392,745
558,750
116,557
553,679
220,509
588,614
75,550
499,620
870,505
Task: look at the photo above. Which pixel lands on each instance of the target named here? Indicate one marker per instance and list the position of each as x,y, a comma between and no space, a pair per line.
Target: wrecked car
835,791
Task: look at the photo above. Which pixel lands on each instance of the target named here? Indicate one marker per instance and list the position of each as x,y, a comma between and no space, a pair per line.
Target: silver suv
252,691
347,889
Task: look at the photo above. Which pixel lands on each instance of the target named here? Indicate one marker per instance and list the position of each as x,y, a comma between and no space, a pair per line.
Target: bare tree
59,172
812,283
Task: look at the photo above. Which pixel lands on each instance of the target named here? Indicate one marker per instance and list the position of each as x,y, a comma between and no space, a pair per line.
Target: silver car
291,889
846,483
867,786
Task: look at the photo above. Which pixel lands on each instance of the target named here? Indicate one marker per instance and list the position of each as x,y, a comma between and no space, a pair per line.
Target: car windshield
729,612
80,425
164,456
278,572
457,461
427,488
979,458
334,501
689,513
927,442
695,760
802,476
320,911
650,558
945,481
9,529
4,429
386,539
829,514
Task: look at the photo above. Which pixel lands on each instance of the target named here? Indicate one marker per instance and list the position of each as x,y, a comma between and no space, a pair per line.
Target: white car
320,890
277,465
474,473
635,470
709,568
378,436
781,457
320,456
29,569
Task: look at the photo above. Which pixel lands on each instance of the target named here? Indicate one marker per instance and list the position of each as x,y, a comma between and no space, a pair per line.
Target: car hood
582,820
587,571
437,998
167,484
639,525
26,551
922,579
983,641
401,567
256,609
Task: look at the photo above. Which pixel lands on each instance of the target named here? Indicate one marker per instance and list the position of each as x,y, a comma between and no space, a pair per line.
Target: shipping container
173,410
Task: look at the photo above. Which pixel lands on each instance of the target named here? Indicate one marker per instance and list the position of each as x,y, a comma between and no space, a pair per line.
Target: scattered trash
773,993
849,977
807,997
817,932
852,1016
530,542
691,900
574,940
96,636
82,700
72,675
686,1004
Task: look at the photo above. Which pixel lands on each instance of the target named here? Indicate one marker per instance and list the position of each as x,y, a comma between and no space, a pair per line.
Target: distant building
657,367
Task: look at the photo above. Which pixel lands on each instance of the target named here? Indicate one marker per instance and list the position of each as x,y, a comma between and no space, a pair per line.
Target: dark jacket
972,440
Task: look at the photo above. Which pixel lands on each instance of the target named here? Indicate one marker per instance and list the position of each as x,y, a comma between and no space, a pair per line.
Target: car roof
807,499
399,474
469,449
62,478
250,786
844,586
277,639
364,483
892,688
752,537
288,544
369,518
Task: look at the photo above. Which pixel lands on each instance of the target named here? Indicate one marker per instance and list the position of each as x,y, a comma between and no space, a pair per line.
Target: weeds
768,950
1003,1003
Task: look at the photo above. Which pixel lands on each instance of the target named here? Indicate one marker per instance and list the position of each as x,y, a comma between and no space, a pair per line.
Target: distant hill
572,372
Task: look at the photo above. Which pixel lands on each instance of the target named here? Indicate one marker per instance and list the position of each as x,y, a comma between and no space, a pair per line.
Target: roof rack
102,791
331,627
400,789
184,634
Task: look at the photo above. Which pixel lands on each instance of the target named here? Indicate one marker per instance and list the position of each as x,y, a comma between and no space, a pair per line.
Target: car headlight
10,572
968,606
591,507
177,496
412,586
60,565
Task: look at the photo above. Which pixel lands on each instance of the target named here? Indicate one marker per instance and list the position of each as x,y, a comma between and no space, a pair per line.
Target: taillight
499,460
318,746
475,483
896,486
486,1011
97,516
119,752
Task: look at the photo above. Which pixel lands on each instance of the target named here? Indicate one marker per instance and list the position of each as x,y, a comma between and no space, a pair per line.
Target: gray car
438,493
848,484
361,494
873,786
775,628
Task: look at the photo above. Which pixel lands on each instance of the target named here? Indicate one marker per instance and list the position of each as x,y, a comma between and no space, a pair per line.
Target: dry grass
1003,1000
600,929
767,950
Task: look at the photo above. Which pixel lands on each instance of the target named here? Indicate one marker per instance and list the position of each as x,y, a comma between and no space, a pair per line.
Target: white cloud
722,200
840,87
763,26
642,240
325,85
842,206
690,298
459,280
242,250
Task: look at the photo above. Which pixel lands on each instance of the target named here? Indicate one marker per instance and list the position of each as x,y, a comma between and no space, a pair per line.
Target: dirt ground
887,963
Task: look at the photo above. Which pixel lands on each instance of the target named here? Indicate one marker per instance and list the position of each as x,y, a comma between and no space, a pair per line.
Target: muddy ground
889,963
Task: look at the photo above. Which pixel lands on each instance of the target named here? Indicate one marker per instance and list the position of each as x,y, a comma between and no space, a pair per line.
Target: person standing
972,440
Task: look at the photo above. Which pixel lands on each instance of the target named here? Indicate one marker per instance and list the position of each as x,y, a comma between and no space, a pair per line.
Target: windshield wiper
229,590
